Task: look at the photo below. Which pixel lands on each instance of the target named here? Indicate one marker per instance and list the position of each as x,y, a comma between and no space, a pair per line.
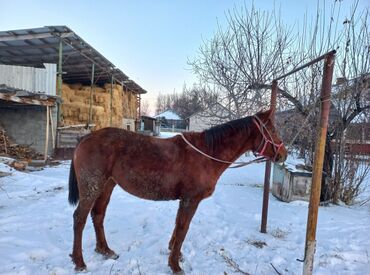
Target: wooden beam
47,134
27,100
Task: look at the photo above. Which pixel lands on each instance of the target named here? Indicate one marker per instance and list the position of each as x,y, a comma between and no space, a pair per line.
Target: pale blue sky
150,41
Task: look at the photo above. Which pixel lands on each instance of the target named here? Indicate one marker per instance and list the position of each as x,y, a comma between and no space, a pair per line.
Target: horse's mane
215,135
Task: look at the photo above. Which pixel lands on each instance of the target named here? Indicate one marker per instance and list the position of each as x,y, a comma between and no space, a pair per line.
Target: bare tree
249,51
241,61
350,97
145,107
188,102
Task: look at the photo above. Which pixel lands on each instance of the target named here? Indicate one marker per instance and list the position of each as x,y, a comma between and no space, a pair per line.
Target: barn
55,87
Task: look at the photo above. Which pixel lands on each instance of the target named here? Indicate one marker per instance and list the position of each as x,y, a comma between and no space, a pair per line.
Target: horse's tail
73,195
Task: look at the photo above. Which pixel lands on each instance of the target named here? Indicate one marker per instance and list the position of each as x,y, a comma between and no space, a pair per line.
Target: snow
168,115
36,230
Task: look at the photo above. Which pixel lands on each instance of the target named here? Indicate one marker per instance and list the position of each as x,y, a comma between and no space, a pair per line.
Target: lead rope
237,164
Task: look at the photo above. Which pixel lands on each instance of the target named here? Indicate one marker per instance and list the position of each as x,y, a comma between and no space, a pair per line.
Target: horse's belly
149,188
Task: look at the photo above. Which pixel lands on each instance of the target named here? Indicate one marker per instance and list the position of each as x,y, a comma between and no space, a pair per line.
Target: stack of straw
76,105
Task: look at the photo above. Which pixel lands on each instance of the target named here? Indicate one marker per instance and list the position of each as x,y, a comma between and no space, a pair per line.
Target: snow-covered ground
36,230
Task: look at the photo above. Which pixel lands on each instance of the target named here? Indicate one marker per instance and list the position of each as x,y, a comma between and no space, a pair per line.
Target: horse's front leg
185,213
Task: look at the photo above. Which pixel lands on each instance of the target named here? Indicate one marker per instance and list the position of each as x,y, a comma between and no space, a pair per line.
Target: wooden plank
26,100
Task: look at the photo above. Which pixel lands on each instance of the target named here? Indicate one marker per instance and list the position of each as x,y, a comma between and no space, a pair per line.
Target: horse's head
267,143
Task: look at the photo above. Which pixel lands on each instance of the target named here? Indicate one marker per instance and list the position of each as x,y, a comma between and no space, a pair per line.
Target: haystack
118,105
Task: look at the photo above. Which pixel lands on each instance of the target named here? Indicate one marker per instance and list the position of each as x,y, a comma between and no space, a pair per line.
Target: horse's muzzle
281,155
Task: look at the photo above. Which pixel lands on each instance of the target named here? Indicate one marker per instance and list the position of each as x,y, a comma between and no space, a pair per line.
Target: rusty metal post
266,185
318,165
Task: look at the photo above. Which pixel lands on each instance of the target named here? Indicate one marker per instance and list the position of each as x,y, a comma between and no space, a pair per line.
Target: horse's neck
234,146
231,148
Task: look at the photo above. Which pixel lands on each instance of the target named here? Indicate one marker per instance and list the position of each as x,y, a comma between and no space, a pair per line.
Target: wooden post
91,95
266,185
52,128
111,101
60,72
318,165
46,134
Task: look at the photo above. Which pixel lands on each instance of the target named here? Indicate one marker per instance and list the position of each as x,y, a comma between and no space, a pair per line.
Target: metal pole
318,165
266,185
60,72
111,101
317,59
91,94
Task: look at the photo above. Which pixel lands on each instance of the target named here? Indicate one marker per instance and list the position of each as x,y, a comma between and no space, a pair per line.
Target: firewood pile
12,150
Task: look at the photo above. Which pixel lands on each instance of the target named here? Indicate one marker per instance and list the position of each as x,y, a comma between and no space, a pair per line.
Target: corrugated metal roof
34,47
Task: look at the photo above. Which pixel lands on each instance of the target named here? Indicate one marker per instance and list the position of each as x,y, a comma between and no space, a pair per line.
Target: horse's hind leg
79,221
98,214
185,213
90,187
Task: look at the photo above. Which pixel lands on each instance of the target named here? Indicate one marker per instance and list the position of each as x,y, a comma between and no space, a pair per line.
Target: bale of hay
76,86
76,107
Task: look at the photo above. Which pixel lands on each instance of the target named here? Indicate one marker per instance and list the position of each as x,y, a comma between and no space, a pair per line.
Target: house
56,87
170,120
214,115
149,126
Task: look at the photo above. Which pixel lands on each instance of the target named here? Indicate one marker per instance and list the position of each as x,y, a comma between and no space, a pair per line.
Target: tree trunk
326,193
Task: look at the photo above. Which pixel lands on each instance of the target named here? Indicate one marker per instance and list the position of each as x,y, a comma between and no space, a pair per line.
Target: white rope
237,164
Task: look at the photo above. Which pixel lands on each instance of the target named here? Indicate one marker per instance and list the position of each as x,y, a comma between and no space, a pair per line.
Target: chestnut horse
185,167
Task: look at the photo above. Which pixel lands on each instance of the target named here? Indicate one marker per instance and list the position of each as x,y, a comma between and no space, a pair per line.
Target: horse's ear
268,113
265,115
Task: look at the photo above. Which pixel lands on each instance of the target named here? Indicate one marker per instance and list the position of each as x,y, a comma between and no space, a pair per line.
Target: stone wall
26,124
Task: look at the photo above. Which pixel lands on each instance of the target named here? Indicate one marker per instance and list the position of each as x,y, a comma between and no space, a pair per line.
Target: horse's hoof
108,254
176,269
112,256
81,269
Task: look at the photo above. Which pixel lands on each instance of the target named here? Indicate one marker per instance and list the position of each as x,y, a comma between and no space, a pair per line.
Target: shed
150,126
290,183
170,120
28,118
31,50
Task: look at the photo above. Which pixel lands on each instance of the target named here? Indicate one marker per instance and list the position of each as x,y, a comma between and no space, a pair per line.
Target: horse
185,167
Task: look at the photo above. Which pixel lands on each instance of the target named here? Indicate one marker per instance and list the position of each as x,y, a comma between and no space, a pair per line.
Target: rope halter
236,164
260,151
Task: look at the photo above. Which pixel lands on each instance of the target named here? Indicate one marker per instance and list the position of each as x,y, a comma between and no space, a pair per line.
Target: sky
151,41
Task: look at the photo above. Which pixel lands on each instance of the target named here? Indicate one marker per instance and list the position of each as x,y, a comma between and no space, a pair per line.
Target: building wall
198,123
26,125
128,124
208,118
